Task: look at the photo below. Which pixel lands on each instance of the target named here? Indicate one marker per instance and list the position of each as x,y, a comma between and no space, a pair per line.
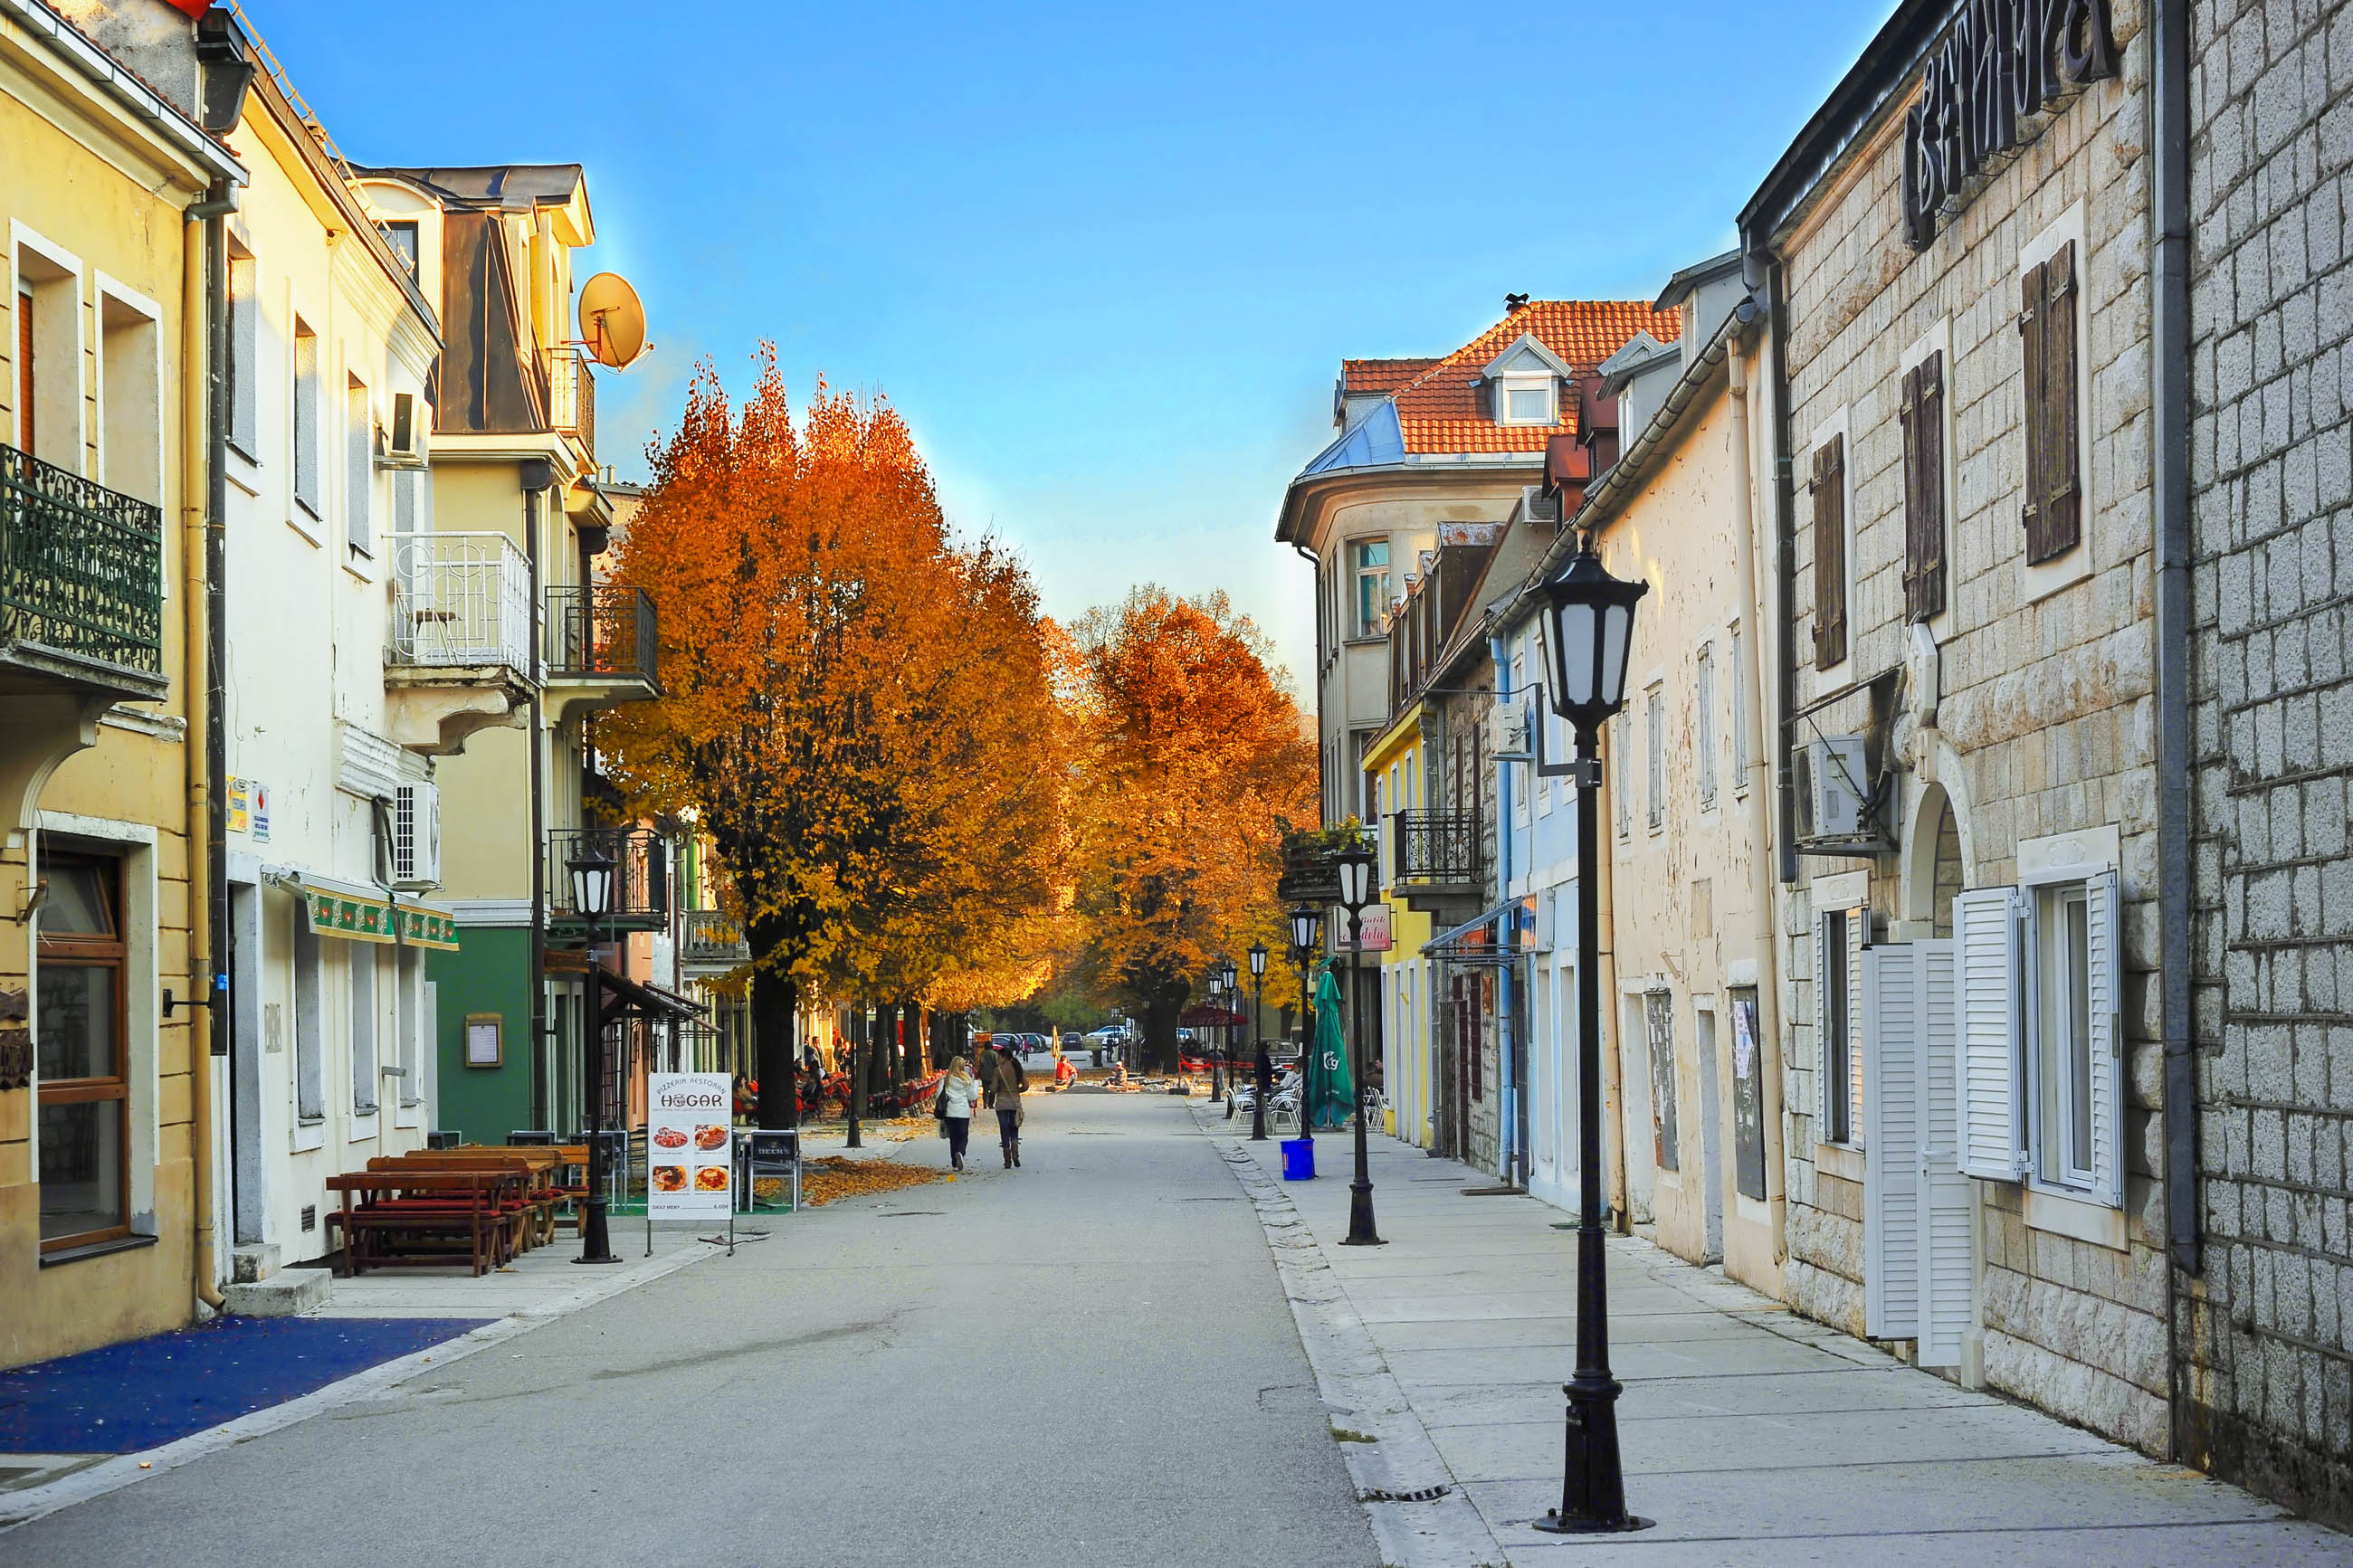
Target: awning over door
358,914
1504,935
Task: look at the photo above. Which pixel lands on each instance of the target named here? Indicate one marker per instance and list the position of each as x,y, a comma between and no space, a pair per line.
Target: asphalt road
1087,1361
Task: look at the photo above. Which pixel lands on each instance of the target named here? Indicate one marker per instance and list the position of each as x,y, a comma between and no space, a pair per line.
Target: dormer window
1527,400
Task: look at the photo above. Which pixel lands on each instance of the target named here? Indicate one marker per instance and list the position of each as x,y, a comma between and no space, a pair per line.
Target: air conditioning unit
1841,809
416,836
1507,732
402,442
1539,504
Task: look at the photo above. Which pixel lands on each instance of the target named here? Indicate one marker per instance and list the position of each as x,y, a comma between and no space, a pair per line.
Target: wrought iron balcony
604,633
82,579
459,600
1437,848
571,396
641,872
712,938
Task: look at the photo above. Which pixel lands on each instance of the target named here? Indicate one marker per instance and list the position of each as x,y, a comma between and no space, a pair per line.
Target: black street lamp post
1226,1027
1306,936
592,897
1592,616
1357,889
1216,1061
1257,1041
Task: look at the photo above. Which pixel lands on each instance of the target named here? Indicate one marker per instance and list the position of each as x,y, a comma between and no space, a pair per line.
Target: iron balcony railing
712,937
460,599
641,871
602,630
1437,847
81,566
571,396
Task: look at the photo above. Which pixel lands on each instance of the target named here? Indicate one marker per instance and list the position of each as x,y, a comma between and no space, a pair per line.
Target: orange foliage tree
1193,751
858,710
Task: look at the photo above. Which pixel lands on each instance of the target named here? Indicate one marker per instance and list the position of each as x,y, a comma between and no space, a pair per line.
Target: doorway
248,1178
1711,1133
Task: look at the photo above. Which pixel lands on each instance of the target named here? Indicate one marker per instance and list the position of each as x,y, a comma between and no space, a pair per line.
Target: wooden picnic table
536,1226
415,1218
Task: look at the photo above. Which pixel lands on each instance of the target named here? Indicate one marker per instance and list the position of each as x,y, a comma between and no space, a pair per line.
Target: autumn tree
1193,750
852,701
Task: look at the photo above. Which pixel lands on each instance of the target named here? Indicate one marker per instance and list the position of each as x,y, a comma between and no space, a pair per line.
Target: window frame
1549,385
87,951
1737,632
1654,718
1360,573
305,413
359,459
244,367
1703,735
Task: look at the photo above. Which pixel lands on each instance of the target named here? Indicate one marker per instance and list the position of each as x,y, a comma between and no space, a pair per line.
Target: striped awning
355,916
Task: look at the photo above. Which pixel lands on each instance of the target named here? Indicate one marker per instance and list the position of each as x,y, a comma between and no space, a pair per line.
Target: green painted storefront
488,977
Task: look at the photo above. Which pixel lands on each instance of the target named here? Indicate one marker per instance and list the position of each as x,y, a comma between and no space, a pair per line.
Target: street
1015,1368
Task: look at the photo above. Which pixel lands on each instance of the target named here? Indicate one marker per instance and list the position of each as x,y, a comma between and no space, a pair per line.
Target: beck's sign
2003,62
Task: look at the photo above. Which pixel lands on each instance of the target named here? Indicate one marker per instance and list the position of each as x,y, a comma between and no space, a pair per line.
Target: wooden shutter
1830,552
2052,510
1892,1242
1947,1200
1923,489
2103,942
1986,974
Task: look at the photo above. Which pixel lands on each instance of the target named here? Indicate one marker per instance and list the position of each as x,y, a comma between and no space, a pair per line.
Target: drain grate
1382,1494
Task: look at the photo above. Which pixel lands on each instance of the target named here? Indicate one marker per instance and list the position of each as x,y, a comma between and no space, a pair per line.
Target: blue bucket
1297,1160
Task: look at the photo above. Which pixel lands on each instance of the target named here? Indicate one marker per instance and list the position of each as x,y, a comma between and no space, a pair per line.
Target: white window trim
1707,735
109,288
2040,582
359,559
1734,640
312,525
20,239
1351,552
1511,382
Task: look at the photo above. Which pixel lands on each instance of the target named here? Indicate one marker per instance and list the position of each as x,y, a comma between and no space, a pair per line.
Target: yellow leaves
834,1178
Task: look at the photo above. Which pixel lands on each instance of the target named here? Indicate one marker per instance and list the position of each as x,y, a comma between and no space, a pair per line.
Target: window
47,349
1657,715
306,417
2052,510
309,1024
1703,695
131,411
27,422
1529,400
1923,409
402,238
2063,1027
244,340
359,468
1622,743
83,1053
409,1003
1829,553
1659,1018
1739,712
1369,561
1840,938
363,1029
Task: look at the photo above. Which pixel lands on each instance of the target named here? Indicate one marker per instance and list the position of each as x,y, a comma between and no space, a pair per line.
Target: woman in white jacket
959,1095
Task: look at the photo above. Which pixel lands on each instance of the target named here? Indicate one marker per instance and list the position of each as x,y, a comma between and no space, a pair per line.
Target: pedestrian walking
1011,1082
959,1094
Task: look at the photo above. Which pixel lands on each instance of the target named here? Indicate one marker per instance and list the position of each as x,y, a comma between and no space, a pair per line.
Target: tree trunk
1160,1047
862,1054
775,1001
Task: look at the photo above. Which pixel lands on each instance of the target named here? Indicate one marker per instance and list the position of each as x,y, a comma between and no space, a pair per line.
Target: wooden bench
542,1193
419,1218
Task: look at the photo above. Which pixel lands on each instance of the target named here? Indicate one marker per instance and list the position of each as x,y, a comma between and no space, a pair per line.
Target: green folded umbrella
1330,1087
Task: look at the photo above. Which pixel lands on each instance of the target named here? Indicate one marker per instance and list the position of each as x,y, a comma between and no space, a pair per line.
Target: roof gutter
1419,469
125,88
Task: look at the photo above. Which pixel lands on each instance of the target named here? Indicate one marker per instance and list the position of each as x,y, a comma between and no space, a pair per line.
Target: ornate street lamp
1357,889
1225,1030
1592,616
1261,1065
1216,990
1306,937
592,899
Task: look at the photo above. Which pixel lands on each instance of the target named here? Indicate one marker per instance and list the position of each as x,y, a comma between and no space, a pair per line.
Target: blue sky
1105,259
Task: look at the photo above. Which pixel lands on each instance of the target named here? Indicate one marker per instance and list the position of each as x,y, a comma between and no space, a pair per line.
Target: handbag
940,1107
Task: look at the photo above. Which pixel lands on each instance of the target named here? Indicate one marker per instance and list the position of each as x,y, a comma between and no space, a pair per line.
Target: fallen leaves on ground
834,1177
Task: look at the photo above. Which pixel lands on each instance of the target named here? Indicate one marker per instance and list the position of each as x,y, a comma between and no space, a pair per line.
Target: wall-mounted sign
2003,62
690,1145
249,808
1373,924
485,1039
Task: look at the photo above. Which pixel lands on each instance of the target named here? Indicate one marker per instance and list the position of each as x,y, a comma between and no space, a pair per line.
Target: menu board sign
690,1154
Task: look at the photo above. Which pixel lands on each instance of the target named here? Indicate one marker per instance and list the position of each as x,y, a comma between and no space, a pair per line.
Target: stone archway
1934,866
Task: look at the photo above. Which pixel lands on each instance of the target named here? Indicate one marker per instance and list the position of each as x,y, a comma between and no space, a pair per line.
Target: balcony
710,942
603,648
458,653
82,587
1438,861
641,875
571,397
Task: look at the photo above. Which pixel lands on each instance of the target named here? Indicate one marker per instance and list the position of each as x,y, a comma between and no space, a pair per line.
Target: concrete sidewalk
1750,1435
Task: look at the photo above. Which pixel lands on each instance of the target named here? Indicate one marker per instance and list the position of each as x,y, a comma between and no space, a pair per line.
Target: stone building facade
2266,1392
1960,341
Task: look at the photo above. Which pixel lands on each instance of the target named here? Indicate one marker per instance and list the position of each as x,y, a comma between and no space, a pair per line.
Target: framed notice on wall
1747,1096
485,1039
690,1146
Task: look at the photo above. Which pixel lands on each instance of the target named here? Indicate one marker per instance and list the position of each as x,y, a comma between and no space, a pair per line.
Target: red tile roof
1363,377
1443,409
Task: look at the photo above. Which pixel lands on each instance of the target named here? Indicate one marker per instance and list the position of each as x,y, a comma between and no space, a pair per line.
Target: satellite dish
612,322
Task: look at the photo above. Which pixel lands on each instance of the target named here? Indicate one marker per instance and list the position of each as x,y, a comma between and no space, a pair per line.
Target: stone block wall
2266,1396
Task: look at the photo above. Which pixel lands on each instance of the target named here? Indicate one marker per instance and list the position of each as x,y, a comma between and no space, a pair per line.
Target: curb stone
1362,1396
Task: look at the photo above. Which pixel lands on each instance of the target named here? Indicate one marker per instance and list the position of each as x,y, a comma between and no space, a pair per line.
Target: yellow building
1393,782
112,193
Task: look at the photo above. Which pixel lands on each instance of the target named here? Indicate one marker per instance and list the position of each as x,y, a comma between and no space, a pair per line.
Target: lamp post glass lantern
1306,936
1357,889
1592,616
592,899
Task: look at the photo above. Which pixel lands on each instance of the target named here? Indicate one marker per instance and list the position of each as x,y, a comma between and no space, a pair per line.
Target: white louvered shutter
1890,1034
1948,1198
1822,1028
1985,963
1858,937
2104,945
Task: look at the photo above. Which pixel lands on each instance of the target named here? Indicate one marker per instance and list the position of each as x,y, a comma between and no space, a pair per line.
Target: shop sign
2003,62
249,808
690,1146
1372,924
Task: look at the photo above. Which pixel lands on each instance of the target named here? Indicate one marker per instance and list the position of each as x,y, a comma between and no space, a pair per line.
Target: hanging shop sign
357,918
1372,924
2003,62
690,1146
